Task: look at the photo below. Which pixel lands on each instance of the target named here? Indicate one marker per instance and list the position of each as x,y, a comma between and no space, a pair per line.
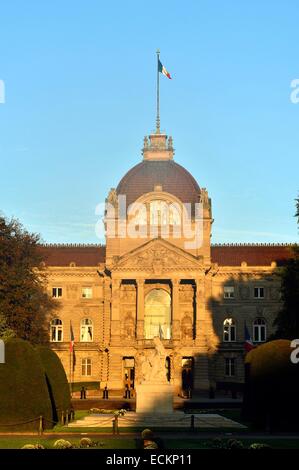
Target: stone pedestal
154,398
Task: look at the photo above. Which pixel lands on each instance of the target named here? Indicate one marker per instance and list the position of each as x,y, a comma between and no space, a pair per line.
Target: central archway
157,314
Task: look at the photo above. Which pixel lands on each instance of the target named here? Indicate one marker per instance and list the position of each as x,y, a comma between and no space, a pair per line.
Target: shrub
23,388
102,411
147,434
62,444
32,446
151,445
218,443
56,379
259,446
86,442
234,444
38,446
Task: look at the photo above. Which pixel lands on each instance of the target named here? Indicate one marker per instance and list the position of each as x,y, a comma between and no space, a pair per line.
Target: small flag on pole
72,341
160,332
248,345
163,70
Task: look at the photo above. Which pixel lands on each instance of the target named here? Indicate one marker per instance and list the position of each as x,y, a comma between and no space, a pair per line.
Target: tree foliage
271,386
287,321
25,307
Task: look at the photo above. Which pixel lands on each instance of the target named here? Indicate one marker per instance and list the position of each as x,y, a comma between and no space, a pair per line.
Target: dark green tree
287,321
297,209
25,306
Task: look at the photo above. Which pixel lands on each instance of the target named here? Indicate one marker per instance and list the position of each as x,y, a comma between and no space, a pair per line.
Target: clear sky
80,96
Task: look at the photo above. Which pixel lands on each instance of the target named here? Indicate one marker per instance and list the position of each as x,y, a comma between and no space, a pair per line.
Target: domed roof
171,176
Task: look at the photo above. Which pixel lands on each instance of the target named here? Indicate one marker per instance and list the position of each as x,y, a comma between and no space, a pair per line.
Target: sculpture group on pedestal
152,367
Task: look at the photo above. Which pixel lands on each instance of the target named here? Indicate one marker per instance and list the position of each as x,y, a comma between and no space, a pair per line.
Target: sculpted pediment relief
157,257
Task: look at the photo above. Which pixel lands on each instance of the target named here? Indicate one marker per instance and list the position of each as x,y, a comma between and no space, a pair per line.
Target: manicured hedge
23,388
272,386
56,379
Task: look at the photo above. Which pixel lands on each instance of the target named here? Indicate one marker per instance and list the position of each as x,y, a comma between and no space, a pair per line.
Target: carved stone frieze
157,257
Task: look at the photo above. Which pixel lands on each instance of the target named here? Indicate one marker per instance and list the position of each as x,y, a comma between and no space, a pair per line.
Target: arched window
157,314
86,332
56,330
163,213
229,330
259,330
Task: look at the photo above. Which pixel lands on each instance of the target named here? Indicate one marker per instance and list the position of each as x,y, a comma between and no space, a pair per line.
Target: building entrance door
187,376
129,376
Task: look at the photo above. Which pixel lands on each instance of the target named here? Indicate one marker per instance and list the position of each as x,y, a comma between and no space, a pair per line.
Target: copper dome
173,179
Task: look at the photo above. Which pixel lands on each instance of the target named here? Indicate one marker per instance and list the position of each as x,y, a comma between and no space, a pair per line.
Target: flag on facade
248,345
160,331
163,70
72,341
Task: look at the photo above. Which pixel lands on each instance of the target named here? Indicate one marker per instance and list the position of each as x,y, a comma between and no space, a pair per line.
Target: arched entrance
157,314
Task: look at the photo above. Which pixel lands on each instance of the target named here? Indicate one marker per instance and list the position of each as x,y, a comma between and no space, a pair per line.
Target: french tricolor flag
248,345
163,70
72,338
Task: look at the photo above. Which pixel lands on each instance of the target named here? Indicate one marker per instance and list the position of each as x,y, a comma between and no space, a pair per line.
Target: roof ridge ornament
158,147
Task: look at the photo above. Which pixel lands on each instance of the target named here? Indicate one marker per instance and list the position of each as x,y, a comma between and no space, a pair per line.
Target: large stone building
158,275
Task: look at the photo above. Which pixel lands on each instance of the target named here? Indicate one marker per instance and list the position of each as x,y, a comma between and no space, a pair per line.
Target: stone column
115,310
175,309
199,312
106,319
140,309
201,362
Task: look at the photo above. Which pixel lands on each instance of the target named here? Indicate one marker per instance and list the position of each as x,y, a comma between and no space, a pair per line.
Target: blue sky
80,96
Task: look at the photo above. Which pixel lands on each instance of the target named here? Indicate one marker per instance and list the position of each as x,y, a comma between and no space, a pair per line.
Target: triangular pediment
157,256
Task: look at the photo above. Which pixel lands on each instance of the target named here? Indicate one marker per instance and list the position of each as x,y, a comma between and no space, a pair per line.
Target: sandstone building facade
155,278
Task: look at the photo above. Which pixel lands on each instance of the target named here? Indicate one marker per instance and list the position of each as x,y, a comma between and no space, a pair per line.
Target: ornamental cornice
245,274
157,270
73,273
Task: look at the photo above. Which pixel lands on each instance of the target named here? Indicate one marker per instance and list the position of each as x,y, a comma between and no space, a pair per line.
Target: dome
169,175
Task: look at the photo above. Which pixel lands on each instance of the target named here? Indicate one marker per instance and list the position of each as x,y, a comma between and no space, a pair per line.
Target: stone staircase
177,419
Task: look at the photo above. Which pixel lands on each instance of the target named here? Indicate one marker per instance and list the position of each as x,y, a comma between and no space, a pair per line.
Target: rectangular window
56,333
87,292
229,366
258,292
259,331
229,292
57,292
86,367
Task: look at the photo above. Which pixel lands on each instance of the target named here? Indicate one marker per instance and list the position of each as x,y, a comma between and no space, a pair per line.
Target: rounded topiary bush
62,444
23,389
86,442
56,379
147,434
217,443
234,444
151,445
271,386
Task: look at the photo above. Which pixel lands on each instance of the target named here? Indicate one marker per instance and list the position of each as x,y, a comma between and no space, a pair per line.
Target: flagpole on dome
158,95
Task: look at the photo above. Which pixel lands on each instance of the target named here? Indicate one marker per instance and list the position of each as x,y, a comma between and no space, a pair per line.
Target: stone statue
204,197
112,197
153,366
